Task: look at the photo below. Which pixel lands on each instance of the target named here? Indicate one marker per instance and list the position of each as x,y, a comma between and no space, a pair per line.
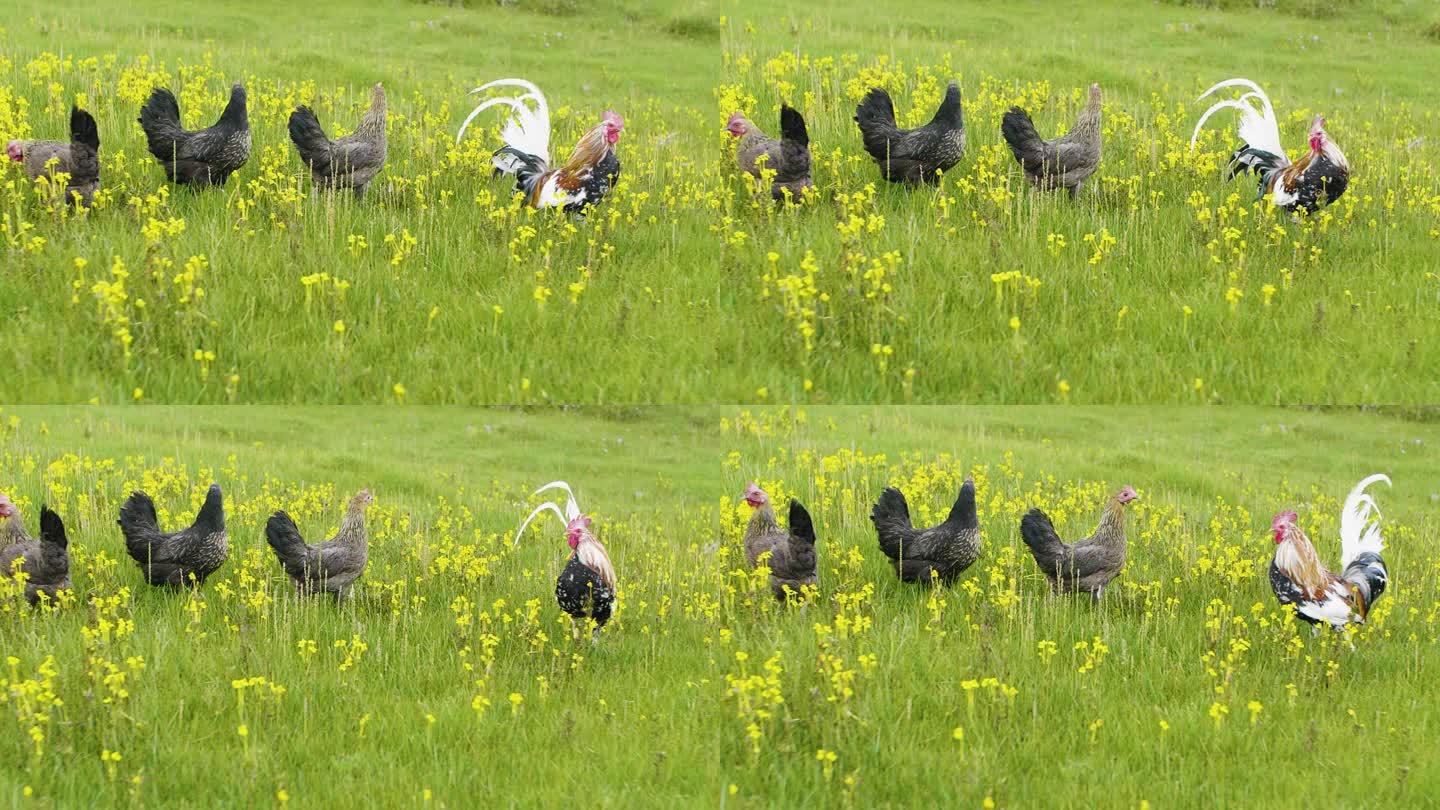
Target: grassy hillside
452,674
1161,284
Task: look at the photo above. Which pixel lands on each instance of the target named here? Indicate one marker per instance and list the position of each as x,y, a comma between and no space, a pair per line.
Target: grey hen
1086,565
912,155
348,162
45,563
1065,162
788,157
792,551
79,159
938,554
202,158
329,567
175,558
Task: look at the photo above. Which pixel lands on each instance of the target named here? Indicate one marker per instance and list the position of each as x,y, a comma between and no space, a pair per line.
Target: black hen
937,554
912,155
175,558
204,158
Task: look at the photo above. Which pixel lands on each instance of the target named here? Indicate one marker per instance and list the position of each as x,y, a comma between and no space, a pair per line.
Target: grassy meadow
452,675
1162,284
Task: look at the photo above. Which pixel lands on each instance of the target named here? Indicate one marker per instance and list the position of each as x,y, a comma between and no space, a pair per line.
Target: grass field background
451,679
1162,284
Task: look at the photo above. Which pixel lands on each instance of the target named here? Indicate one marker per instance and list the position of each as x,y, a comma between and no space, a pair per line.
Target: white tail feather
572,507
541,508
527,130
1360,522
1258,128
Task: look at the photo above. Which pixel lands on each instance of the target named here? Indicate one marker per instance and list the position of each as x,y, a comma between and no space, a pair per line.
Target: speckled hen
329,567
792,559
1066,162
79,159
202,158
936,555
349,162
917,155
1087,565
787,157
45,563
175,559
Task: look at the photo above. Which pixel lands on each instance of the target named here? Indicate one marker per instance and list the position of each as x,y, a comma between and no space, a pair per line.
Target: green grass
678,307
649,717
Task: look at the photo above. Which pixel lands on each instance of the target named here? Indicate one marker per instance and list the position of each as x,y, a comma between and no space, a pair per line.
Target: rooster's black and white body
1300,580
585,588
1318,178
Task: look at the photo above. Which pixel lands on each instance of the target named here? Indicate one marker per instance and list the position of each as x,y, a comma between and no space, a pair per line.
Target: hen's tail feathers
1360,523
1025,142
139,524
83,129
800,524
52,529
1039,535
284,537
310,139
1258,128
875,115
527,130
160,118
891,516
962,514
792,126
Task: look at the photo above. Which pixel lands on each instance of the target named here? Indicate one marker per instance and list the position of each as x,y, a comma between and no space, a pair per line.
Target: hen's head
1095,93
738,125
576,530
15,150
1127,494
1317,134
1283,524
361,500
613,124
755,496
7,507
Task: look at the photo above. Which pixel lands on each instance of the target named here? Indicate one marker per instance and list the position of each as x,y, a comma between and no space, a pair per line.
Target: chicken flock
587,587
781,165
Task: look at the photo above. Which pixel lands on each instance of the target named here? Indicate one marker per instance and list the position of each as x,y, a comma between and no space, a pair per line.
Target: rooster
349,162
792,552
1086,565
1299,578
175,558
329,567
582,181
45,563
79,159
938,554
1065,162
203,158
585,588
1315,180
912,155
788,157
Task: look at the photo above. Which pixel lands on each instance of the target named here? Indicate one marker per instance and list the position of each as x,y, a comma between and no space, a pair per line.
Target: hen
1086,565
79,159
1315,180
203,158
349,162
792,558
45,563
937,554
788,157
1299,578
1065,162
582,181
585,588
329,567
912,155
175,558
